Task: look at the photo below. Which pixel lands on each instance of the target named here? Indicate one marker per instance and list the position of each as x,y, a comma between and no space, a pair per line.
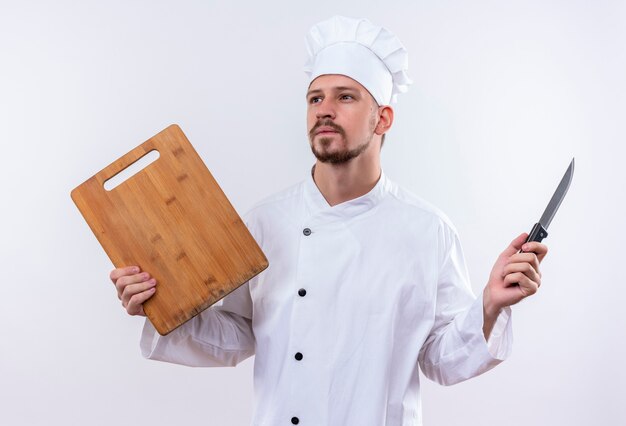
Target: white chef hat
356,48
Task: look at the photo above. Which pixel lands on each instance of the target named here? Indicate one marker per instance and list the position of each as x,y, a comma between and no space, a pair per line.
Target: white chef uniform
355,296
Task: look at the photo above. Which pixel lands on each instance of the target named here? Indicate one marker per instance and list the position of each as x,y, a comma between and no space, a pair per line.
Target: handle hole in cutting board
125,174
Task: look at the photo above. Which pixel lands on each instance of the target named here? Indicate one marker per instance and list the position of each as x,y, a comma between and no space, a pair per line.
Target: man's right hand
133,288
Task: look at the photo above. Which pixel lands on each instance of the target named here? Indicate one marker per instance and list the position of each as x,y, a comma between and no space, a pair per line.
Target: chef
366,281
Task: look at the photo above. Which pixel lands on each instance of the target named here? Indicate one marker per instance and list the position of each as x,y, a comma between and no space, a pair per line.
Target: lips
325,130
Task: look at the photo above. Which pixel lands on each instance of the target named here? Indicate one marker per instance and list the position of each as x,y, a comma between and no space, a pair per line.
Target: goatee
337,157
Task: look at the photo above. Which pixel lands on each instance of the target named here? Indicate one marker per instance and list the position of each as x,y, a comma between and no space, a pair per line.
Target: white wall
505,94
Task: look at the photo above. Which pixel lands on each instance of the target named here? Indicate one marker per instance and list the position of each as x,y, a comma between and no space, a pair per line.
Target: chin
330,144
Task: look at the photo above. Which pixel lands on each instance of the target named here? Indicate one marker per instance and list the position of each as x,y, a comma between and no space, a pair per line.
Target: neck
343,182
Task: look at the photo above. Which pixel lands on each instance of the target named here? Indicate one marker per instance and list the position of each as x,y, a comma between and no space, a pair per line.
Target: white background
505,94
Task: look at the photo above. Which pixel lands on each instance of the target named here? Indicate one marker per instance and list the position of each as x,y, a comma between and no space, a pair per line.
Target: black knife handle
538,233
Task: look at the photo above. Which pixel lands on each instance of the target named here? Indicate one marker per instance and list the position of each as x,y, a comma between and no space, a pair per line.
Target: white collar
317,205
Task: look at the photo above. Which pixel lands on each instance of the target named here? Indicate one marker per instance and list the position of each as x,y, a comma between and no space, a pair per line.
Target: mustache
327,123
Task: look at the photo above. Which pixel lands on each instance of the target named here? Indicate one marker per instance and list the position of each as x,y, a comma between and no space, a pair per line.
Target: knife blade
540,229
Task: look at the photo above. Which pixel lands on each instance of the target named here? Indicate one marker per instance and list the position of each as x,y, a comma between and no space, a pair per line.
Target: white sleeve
456,349
219,336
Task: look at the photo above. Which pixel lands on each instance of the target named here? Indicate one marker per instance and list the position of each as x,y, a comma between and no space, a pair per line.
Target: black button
302,292
306,231
295,420
298,356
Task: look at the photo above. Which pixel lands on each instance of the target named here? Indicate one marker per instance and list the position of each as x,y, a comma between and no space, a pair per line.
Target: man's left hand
514,277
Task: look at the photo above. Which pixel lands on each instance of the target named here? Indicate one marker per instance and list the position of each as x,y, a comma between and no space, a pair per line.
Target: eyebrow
336,89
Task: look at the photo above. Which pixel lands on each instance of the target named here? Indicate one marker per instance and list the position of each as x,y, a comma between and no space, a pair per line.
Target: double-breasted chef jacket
356,296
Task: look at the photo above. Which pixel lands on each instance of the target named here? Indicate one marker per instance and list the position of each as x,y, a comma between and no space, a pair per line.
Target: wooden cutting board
172,220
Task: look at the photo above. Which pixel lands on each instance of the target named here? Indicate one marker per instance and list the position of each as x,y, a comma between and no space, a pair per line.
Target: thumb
515,245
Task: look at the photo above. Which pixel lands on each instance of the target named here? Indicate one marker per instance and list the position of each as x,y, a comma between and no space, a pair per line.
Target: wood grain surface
173,221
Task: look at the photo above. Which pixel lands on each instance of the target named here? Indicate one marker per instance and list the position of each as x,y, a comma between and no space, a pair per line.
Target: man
365,282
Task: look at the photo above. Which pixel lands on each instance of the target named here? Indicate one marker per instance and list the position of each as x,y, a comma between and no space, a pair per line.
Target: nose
325,109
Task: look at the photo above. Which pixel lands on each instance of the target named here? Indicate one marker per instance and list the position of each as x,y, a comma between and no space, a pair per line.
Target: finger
133,289
515,245
120,272
135,304
530,258
535,247
513,279
127,280
525,268
525,258
132,279
525,284
528,286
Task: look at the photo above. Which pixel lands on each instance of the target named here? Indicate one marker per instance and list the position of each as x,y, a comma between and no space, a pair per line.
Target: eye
315,99
346,97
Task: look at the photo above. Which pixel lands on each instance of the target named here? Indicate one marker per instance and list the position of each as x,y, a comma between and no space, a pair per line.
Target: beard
341,156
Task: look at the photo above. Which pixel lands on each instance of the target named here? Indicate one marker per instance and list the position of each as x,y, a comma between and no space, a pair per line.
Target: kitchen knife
540,230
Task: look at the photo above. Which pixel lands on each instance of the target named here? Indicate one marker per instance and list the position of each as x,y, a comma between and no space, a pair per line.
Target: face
341,118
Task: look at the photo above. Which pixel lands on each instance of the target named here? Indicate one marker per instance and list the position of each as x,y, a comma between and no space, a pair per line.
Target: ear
385,119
